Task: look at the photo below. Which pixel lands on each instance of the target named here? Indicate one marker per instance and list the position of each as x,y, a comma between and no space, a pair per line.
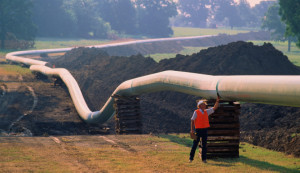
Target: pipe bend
278,90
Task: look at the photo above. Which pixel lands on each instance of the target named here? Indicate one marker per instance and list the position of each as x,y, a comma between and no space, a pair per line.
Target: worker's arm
217,103
192,126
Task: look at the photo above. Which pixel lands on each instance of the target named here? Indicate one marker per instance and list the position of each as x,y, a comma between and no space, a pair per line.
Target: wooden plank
224,126
127,110
131,121
224,114
122,118
130,129
223,132
120,107
222,138
220,150
122,102
127,114
227,120
132,124
222,155
223,144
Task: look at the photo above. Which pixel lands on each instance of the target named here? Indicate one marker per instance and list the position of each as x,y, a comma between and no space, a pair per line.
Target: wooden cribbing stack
224,132
128,119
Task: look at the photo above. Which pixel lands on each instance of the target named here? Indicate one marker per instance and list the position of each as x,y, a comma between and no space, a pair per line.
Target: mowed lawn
130,153
185,32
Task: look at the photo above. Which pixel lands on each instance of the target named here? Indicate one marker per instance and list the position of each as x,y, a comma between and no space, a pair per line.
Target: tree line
108,19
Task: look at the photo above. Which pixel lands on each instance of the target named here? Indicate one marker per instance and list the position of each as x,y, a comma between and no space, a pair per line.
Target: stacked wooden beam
128,119
224,132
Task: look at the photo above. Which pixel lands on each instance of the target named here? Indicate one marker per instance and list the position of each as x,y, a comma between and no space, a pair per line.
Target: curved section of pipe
278,90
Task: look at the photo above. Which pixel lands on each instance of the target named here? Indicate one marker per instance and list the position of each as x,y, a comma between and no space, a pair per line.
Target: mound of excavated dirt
274,127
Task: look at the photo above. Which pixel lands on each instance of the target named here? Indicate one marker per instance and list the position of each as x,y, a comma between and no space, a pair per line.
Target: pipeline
277,90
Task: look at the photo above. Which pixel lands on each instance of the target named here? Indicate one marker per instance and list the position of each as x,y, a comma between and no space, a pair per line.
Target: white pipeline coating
277,90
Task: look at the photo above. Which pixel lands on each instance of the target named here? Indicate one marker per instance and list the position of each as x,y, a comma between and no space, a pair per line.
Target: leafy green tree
153,17
290,13
259,11
226,10
195,12
273,23
16,19
52,19
88,22
121,15
245,13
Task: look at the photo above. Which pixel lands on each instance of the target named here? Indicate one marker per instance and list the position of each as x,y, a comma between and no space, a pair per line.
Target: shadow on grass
254,163
182,141
229,162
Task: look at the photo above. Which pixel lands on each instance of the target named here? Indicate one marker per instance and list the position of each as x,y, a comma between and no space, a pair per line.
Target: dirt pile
237,58
99,74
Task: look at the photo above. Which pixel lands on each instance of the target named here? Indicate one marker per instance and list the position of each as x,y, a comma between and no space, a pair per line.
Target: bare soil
31,107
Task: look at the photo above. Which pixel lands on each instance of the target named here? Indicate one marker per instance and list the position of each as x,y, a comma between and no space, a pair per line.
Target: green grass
293,55
186,51
184,32
4,52
252,158
50,43
149,153
14,70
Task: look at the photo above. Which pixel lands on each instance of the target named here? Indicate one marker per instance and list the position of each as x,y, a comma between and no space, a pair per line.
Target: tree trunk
2,42
289,44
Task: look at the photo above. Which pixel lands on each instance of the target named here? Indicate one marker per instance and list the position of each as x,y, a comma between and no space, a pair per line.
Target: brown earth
274,127
31,107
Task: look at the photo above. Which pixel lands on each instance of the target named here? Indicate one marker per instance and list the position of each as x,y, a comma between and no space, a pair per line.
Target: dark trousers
203,134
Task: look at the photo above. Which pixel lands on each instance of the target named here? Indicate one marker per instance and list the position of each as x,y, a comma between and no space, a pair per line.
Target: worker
200,122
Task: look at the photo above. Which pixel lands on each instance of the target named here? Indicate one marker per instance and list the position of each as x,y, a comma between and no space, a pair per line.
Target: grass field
186,51
6,69
130,153
51,43
46,43
184,32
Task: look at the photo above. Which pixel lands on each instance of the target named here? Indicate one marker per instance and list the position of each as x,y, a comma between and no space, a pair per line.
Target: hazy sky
253,2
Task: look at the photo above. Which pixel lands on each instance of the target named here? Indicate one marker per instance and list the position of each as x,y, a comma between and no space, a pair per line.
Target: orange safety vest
202,120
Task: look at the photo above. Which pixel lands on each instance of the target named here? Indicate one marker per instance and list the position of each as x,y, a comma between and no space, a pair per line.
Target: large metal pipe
277,90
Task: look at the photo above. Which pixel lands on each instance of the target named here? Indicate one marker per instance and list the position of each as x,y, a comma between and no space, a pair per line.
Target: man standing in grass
200,121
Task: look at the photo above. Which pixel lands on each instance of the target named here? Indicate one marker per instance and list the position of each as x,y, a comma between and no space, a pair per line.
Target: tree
15,18
195,12
52,19
245,13
273,23
121,15
225,10
88,22
290,13
259,11
153,17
